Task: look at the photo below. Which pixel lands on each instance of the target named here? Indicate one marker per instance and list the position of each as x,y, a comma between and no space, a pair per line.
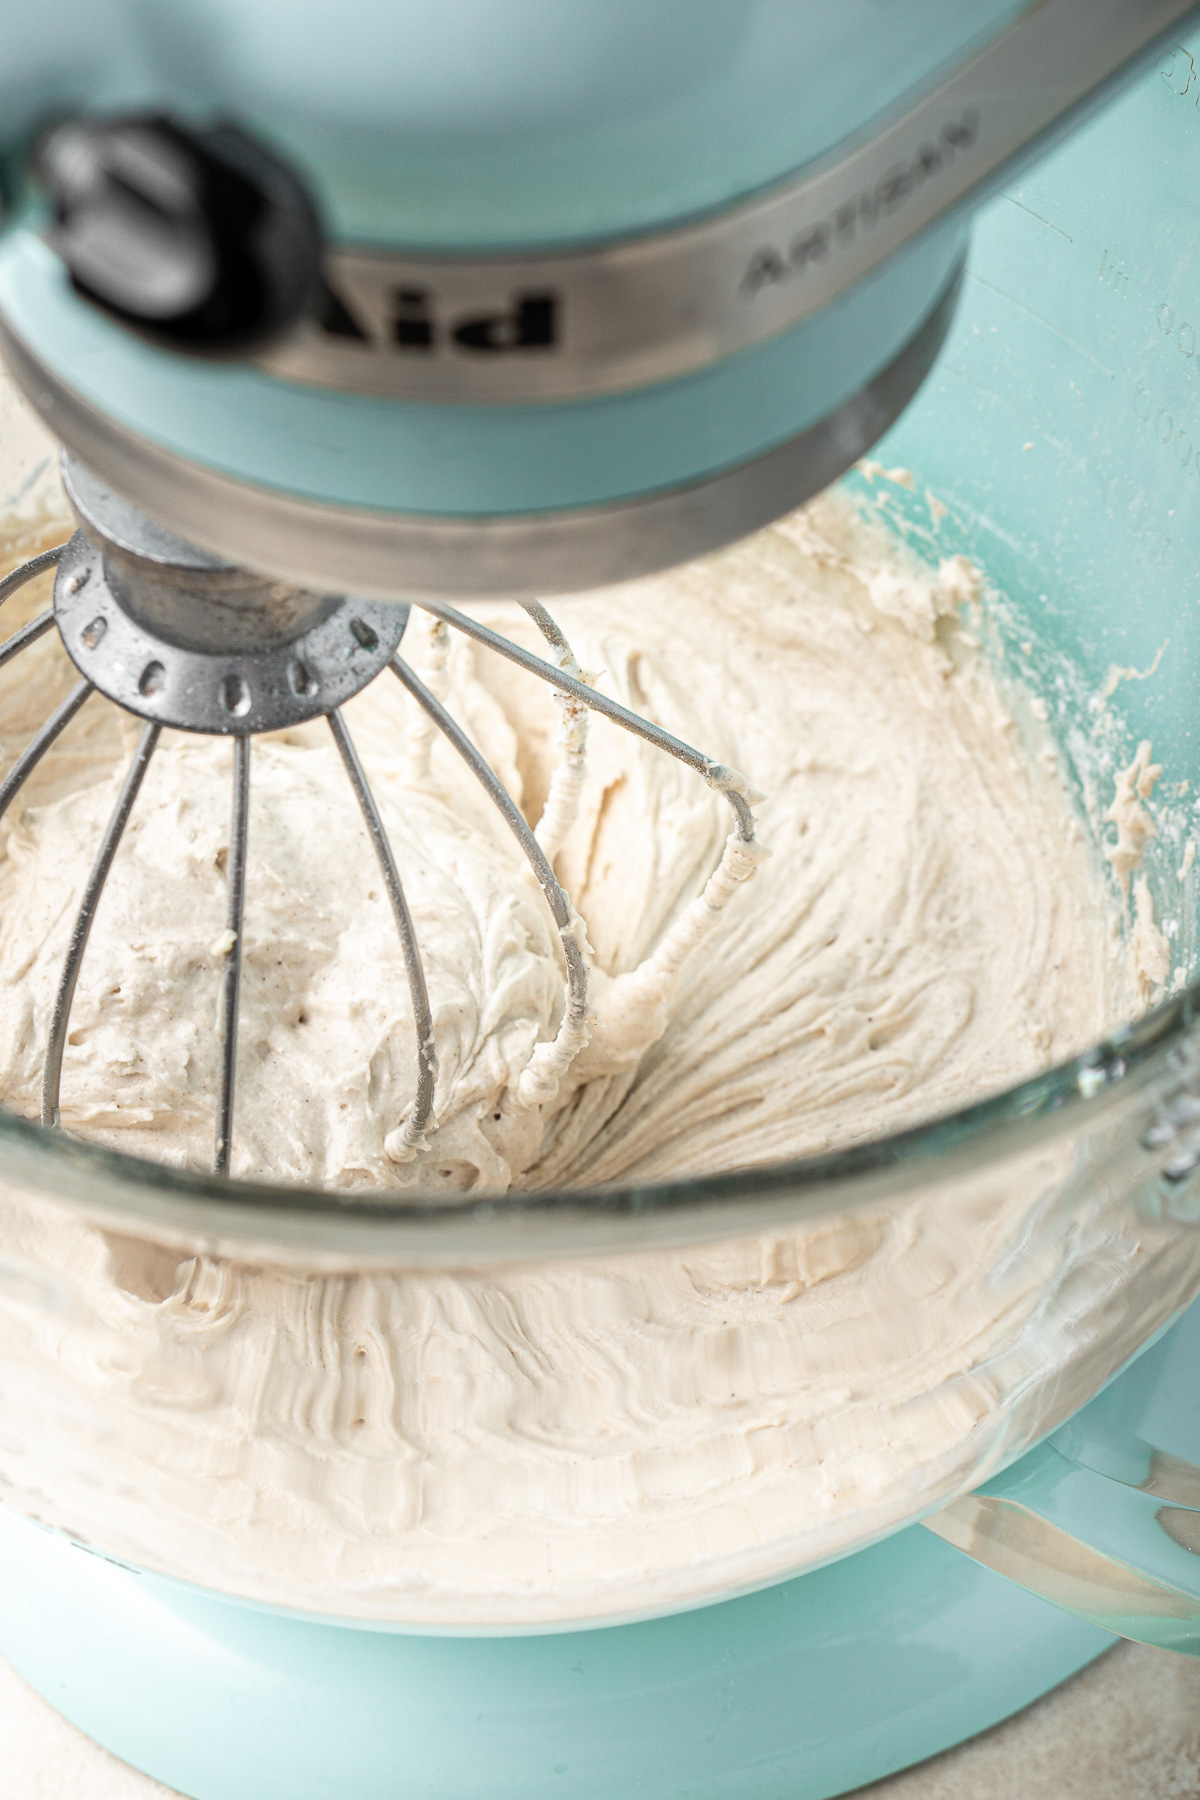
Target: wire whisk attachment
219,651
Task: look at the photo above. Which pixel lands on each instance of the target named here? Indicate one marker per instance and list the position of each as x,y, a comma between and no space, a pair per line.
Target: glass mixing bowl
400,1413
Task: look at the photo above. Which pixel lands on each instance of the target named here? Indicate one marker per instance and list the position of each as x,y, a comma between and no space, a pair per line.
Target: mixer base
806,1690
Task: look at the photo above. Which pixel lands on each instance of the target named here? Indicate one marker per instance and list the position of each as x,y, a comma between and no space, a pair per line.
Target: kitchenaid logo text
411,323
775,263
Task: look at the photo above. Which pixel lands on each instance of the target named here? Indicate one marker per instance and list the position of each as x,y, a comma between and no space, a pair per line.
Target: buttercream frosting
590,1437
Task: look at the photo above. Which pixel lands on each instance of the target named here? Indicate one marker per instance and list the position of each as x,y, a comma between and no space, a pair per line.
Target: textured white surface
1126,1729
931,924
44,1758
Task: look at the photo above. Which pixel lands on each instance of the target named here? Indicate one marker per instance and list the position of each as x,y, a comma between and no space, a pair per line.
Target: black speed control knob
197,238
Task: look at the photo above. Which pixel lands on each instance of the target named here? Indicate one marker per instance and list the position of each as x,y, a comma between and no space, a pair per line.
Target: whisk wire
52,1074
556,899
422,1109
569,774
239,833
16,578
495,789
539,1081
551,630
28,634
38,745
610,709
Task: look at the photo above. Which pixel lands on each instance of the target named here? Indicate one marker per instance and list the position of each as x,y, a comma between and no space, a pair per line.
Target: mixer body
598,289
426,409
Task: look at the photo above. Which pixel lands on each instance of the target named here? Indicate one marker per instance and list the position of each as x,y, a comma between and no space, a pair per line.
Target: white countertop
1128,1728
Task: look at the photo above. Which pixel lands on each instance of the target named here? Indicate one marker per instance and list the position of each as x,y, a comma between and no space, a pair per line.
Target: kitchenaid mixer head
510,299
189,642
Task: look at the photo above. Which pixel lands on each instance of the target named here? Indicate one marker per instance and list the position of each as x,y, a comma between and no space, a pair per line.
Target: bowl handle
1099,1518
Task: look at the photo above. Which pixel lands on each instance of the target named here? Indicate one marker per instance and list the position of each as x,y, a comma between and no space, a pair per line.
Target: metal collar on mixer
557,551
192,641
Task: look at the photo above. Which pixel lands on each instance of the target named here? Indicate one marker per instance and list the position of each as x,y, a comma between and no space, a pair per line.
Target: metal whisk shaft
239,832
422,1107
61,1017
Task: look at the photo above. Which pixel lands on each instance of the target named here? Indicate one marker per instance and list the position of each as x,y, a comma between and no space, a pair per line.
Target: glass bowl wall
528,1412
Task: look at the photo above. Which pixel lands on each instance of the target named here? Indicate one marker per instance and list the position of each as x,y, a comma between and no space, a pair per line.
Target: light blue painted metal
1061,424
1078,339
1104,1517
802,1690
475,123
1062,429
435,459
807,1689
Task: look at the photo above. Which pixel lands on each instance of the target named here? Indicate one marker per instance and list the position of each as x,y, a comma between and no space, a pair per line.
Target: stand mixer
501,299
605,301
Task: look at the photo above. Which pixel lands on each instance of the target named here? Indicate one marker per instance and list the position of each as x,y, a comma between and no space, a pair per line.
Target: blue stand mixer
489,299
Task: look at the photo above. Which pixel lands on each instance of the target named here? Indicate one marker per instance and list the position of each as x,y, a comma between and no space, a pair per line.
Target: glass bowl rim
258,1220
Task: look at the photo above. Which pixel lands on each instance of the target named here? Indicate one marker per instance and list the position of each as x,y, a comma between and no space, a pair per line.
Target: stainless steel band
641,310
366,551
